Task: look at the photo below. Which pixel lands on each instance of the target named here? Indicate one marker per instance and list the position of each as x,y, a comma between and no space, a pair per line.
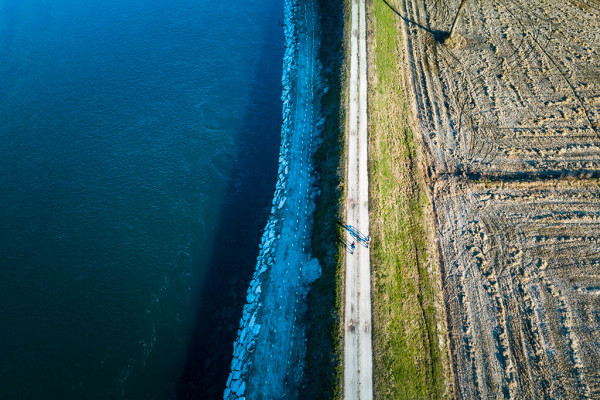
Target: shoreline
270,346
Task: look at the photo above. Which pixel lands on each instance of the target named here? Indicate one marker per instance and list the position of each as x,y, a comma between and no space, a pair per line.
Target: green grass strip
409,361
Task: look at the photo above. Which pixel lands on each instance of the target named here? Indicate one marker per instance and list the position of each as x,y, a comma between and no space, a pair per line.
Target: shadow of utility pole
439,36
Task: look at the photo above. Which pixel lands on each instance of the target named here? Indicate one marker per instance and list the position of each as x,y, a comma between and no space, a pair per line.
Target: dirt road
358,377
509,116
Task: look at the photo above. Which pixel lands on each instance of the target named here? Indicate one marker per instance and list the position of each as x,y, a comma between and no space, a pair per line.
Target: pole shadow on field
354,232
439,36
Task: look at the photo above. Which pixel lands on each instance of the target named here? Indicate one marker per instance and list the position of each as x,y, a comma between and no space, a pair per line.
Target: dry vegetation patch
522,269
509,115
517,91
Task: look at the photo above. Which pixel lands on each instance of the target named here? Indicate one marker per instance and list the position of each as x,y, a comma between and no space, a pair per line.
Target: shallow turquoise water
138,152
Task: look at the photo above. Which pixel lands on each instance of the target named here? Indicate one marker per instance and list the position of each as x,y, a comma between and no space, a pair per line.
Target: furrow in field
513,66
508,112
521,271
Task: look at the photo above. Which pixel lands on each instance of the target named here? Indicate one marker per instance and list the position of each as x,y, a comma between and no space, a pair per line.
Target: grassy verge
322,373
410,360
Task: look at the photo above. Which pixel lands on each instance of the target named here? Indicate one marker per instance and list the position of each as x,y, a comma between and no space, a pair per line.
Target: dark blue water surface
138,153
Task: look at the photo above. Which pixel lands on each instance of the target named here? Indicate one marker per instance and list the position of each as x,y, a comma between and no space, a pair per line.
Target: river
138,157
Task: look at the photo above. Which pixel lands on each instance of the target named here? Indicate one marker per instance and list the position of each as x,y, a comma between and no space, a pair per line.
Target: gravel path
358,364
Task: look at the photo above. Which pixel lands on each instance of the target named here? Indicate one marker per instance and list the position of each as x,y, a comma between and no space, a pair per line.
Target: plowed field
516,90
509,118
522,280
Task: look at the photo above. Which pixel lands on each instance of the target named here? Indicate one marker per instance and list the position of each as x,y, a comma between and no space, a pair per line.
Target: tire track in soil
508,112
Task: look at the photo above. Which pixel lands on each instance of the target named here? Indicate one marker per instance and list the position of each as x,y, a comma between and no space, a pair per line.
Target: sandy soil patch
517,91
509,116
522,279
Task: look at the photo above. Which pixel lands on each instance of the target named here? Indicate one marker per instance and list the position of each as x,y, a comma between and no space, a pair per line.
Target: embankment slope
409,347
270,347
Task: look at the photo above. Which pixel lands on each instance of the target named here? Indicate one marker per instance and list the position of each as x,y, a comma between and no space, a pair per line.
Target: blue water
138,153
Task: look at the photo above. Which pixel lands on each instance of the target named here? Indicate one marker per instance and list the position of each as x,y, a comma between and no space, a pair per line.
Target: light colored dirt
358,365
517,91
522,281
509,114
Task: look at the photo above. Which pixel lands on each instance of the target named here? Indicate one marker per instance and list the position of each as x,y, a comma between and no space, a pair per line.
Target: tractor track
508,112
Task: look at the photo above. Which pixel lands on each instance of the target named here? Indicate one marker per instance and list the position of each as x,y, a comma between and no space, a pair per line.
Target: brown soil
509,117
516,91
522,283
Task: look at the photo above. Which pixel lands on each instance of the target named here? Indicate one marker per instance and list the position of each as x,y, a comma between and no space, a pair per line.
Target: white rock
237,366
235,386
252,307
